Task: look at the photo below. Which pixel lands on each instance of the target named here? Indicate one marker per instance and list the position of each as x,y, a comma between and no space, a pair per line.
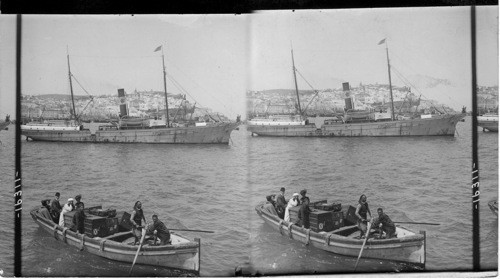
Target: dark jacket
162,232
280,201
78,221
385,221
55,210
303,216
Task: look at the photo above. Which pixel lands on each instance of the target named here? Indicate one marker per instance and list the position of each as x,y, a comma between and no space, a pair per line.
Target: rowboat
493,206
182,253
407,247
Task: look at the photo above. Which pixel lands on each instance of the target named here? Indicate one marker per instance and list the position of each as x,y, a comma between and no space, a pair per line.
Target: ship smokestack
348,100
123,102
345,86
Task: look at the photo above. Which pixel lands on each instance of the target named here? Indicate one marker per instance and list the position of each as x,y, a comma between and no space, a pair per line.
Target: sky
205,54
335,46
217,58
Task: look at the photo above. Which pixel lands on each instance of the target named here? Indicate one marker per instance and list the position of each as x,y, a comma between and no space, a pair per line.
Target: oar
137,253
364,242
186,230
418,223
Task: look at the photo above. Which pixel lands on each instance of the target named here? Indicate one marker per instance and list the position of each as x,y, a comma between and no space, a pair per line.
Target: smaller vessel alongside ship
334,231
108,240
132,130
489,122
354,123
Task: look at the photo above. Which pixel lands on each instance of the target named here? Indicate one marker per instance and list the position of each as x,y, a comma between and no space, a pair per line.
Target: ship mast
165,85
296,87
71,85
390,84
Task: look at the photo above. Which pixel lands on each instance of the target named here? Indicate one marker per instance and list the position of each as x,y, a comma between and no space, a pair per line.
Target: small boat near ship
354,123
489,122
332,232
131,130
111,242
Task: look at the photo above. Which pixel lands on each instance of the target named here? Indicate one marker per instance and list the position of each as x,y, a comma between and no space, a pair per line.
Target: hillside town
278,101
104,108
365,97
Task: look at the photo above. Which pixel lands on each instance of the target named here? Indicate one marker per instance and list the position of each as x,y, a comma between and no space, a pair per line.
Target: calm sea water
216,187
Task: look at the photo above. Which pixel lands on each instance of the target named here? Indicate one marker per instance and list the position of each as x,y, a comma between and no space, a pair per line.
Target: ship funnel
345,86
123,102
349,104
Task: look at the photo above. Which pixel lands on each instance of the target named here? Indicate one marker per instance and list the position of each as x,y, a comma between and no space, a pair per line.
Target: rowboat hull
488,122
408,247
182,254
436,126
203,134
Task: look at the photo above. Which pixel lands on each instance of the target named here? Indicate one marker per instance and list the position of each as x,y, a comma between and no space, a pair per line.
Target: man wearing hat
78,202
66,208
55,208
303,214
281,203
303,195
78,224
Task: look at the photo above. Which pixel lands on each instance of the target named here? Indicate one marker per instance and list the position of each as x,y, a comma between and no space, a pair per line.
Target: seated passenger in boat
79,219
294,201
66,208
158,229
269,206
385,224
44,210
364,215
281,203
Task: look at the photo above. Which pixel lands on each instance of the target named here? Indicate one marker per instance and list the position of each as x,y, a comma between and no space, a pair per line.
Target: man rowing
364,215
158,229
136,218
385,223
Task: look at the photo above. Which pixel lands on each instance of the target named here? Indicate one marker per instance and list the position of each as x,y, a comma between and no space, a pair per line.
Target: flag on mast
381,42
157,49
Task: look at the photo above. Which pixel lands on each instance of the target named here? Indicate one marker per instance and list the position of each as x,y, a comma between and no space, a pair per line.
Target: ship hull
488,122
437,126
177,135
4,125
